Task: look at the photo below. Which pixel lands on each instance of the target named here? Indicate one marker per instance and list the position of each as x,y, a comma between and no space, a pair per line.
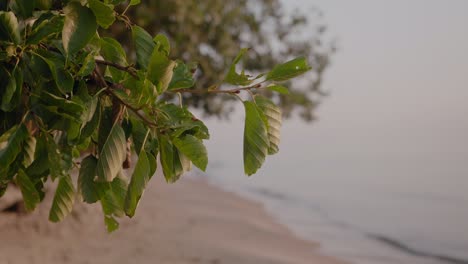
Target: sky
398,92
399,78
391,139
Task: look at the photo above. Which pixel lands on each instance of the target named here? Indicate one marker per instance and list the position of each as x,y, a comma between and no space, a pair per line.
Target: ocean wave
394,243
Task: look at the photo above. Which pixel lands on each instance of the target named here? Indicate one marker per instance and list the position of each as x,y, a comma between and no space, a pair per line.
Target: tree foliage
211,32
73,99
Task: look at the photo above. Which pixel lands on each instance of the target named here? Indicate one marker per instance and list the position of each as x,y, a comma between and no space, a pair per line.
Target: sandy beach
187,222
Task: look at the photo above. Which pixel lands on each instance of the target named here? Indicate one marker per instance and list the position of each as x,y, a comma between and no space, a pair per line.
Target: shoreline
192,221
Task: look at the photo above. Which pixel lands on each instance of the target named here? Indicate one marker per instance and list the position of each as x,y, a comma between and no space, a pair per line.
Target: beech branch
229,91
133,109
129,69
102,82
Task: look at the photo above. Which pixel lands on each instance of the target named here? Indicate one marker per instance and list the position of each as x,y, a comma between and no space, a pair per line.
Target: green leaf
111,223
174,115
181,164
24,8
86,185
138,132
134,2
43,4
235,78
30,195
288,70
112,51
56,62
273,118
166,157
256,142
105,125
14,139
142,91
63,200
61,106
113,196
4,137
88,128
181,78
112,155
162,43
79,28
17,97
91,104
152,163
73,131
116,2
45,27
104,13
88,65
172,164
40,165
195,128
9,28
128,99
13,90
55,158
194,149
182,121
279,89
140,178
144,46
66,151
160,70
29,150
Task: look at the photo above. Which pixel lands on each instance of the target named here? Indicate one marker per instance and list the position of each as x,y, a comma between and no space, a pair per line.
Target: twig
134,110
100,79
128,69
102,82
230,91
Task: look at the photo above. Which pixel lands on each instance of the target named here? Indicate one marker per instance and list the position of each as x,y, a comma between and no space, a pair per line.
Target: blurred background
211,33
374,154
380,176
373,162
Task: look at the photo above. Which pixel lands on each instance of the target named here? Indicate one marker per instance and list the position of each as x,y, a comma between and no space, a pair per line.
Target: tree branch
229,91
102,82
134,110
129,69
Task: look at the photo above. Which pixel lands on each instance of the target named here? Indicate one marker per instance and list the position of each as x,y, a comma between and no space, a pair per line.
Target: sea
381,176
362,205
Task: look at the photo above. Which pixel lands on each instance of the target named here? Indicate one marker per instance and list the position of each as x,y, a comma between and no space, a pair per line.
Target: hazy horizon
388,152
399,77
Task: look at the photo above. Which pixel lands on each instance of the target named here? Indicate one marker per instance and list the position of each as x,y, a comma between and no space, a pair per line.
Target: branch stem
129,69
134,110
102,82
229,91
